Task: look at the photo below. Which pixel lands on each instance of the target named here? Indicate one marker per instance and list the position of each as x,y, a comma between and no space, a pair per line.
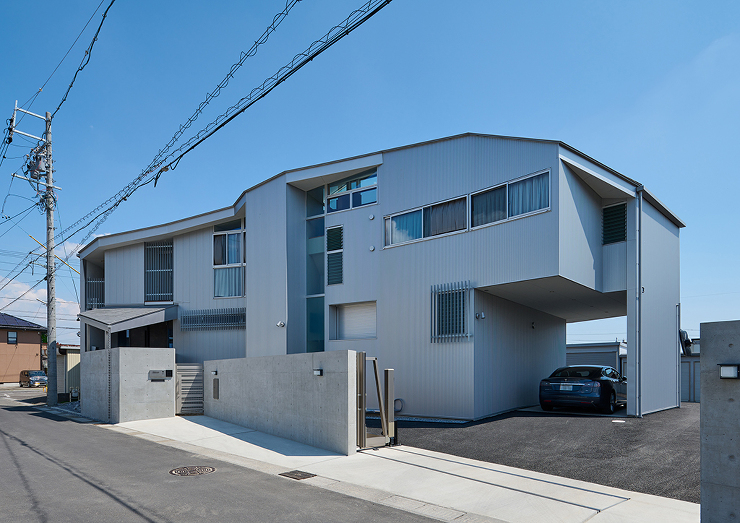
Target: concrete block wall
131,395
280,395
720,424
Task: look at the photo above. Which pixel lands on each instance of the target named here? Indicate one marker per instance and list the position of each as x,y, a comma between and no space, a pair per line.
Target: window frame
242,257
507,183
421,208
350,193
15,335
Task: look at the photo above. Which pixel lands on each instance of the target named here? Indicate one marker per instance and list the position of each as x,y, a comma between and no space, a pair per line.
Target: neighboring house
68,367
457,262
611,353
21,345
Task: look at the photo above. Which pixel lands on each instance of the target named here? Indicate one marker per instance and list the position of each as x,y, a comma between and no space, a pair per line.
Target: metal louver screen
214,319
158,271
615,224
94,294
449,312
334,268
334,239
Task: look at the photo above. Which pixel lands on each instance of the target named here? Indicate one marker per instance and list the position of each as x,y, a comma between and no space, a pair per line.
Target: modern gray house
458,262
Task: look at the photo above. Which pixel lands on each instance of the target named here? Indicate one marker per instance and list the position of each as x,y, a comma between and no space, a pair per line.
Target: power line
352,22
85,59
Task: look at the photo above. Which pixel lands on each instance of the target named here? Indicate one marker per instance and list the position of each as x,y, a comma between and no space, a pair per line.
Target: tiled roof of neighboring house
8,321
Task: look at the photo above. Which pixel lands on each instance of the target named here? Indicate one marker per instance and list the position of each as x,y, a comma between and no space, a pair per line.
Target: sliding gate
389,435
189,389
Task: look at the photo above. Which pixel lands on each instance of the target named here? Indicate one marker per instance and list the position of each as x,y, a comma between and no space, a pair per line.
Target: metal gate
389,436
189,389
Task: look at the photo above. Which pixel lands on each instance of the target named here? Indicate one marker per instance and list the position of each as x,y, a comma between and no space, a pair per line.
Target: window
158,271
488,206
213,319
614,223
315,256
433,220
355,191
228,260
529,195
449,312
334,255
353,321
12,338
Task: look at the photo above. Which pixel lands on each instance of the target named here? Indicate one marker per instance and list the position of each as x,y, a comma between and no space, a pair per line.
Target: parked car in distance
584,386
33,378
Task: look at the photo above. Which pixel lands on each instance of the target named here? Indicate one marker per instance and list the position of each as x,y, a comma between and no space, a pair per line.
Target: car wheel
612,405
546,407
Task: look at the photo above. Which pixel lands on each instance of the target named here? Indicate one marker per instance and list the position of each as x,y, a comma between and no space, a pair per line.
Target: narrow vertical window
228,260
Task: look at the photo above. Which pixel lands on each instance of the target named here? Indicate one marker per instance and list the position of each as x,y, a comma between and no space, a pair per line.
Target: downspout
638,352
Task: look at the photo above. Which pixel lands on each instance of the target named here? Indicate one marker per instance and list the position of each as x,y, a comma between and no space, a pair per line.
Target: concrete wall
280,395
720,424
119,378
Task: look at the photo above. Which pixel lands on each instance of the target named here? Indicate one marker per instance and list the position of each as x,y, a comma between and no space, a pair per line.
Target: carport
148,323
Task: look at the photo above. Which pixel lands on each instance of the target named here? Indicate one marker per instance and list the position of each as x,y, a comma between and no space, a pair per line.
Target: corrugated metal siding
193,290
661,281
614,275
580,230
437,379
510,356
124,275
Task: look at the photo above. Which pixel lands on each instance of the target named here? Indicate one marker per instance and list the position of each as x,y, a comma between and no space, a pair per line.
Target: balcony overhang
563,298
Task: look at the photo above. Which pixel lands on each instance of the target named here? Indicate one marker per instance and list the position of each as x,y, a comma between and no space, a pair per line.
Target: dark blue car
584,386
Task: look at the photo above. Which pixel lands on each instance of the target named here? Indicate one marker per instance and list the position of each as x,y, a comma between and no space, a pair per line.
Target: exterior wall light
280,324
729,371
318,372
214,372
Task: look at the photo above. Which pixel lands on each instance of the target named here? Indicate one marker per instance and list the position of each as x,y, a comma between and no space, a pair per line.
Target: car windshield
37,373
578,372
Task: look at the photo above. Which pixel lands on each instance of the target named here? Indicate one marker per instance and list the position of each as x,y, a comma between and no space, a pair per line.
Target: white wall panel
614,276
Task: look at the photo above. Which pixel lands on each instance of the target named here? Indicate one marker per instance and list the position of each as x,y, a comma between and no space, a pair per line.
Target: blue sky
651,89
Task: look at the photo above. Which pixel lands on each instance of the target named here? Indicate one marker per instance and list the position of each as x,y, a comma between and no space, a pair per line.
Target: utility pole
40,165
51,303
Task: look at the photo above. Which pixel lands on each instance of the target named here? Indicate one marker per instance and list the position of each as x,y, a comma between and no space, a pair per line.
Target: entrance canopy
119,319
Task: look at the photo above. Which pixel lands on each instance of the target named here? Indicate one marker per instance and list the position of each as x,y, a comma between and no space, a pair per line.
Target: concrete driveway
657,454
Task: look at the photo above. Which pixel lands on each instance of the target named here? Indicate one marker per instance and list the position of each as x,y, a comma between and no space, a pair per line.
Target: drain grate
297,474
192,471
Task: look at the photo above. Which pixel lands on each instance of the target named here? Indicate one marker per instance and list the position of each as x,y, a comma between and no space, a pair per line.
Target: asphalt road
57,470
657,454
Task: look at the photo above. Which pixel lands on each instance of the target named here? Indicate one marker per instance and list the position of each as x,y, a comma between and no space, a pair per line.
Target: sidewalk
440,486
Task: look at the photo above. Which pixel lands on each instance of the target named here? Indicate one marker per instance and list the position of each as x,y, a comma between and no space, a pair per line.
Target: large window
158,271
529,195
432,220
228,260
355,191
510,200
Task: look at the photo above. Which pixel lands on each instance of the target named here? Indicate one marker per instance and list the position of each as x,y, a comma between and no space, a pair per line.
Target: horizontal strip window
214,319
429,221
510,200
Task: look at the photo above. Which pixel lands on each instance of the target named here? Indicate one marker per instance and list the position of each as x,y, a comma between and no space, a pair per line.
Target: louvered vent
335,255
615,224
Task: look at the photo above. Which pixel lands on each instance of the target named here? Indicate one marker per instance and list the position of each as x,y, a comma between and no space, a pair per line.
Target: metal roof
8,321
125,318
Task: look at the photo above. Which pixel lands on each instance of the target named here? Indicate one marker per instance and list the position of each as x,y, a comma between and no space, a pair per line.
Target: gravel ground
657,454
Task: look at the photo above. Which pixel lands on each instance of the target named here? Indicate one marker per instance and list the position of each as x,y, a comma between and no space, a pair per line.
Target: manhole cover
297,474
192,471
